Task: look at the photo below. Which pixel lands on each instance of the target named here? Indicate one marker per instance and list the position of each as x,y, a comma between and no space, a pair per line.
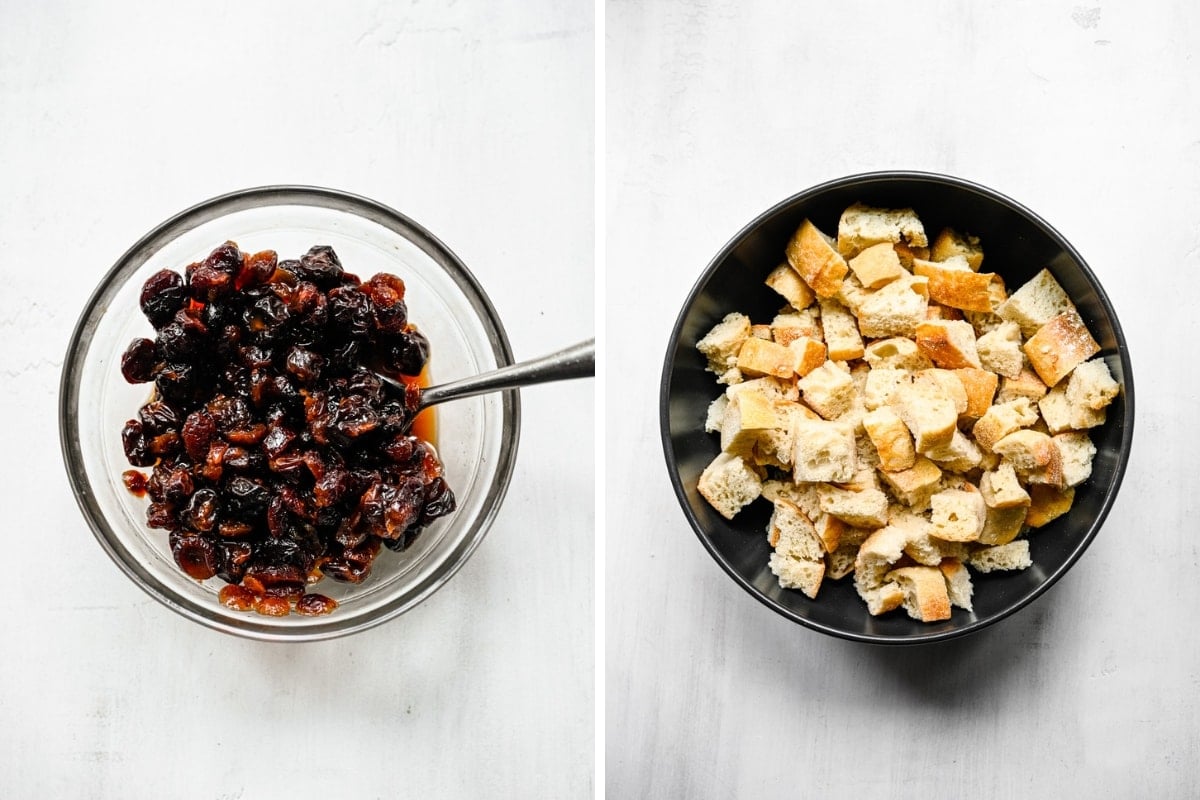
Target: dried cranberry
257,268
236,597
138,361
134,481
133,439
162,295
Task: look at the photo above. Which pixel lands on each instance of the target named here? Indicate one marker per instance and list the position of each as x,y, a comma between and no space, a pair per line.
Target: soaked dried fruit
278,457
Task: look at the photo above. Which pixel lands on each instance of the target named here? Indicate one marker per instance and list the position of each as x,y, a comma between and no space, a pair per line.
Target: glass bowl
1018,243
476,437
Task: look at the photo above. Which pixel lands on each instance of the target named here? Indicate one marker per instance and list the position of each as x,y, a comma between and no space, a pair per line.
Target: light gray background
1089,114
477,121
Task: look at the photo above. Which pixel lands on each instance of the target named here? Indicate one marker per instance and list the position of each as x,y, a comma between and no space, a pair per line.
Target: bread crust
1059,346
814,258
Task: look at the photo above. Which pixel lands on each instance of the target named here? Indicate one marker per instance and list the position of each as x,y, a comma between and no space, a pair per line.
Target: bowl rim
874,177
206,211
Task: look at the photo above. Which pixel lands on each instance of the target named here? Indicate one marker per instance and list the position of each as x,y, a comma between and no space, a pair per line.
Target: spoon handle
576,361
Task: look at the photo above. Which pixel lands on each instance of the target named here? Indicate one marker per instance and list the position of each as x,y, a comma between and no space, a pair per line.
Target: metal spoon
576,361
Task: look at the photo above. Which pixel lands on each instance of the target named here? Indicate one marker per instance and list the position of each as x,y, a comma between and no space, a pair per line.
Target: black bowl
1017,244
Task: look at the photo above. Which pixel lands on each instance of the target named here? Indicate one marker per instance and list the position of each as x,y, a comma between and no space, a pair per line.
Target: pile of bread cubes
908,418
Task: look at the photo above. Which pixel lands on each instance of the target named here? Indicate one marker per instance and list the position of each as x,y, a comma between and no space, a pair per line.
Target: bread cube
812,254
786,328
789,285
1091,386
866,509
760,357
949,243
722,344
792,534
861,226
1077,453
953,284
960,455
1002,419
897,352
1038,301
1000,350
980,386
915,485
957,515
958,583
828,390
1048,503
1059,346
1027,384
841,331
928,412
1001,489
1034,456
876,265
891,438
794,573
925,594
729,484
1011,556
896,309
948,343
823,451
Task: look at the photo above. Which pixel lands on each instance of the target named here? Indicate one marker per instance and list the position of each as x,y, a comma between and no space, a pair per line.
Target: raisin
304,364
257,269
321,266
203,510
134,481
199,429
270,606
236,597
133,439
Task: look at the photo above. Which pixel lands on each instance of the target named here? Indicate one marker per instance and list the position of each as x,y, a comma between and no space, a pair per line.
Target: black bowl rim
206,211
885,176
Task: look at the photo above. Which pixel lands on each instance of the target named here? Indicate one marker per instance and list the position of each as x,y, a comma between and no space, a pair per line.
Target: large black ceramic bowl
1017,244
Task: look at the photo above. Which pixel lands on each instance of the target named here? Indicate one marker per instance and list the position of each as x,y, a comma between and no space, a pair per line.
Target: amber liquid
425,425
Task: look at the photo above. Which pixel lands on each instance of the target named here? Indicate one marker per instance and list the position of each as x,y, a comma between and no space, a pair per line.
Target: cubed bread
1048,503
792,534
1001,489
841,331
1038,301
1011,556
760,331
939,311
762,357
949,243
987,321
1000,350
957,515
891,438
947,382
928,412
980,386
803,495
823,451
840,562
882,599
1060,415
810,354
1077,453
960,455
729,484
722,344
1059,346
876,555
953,284
828,389
789,285
1034,456
866,509
907,254
881,385
1091,386
786,328
876,265
861,226
794,573
1002,419
778,388
925,595
915,485
852,293
896,309
1003,524
897,352
1027,384
815,258
715,415
830,531
958,583
948,343
748,415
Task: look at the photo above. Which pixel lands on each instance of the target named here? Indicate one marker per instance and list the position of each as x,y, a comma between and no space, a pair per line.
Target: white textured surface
1088,113
475,120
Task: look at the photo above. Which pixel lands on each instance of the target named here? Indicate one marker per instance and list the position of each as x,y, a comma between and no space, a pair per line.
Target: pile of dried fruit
278,454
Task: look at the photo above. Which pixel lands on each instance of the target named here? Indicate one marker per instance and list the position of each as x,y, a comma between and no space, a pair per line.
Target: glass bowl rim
208,211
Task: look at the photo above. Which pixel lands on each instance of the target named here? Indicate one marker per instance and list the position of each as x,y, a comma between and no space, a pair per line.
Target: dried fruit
278,457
